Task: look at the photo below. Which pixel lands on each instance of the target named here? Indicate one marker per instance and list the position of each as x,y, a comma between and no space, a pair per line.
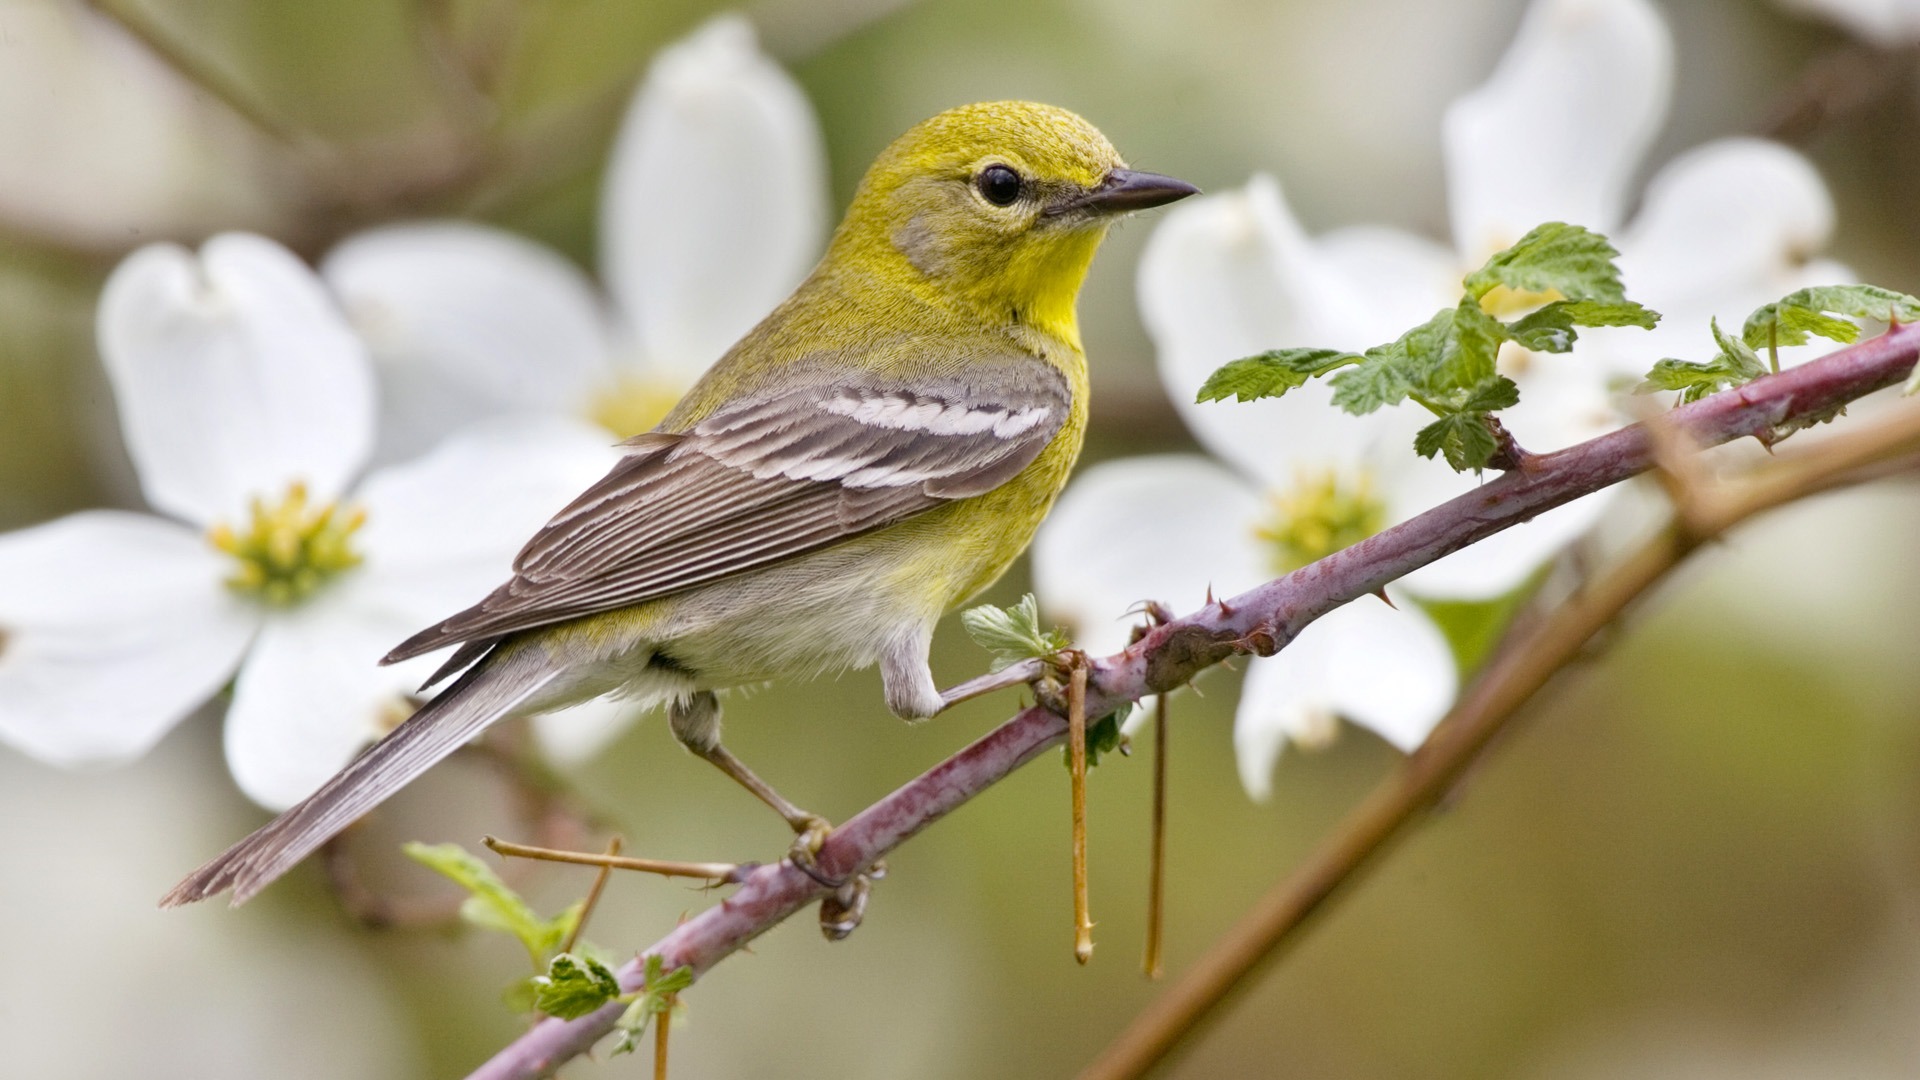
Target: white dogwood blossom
1556,134
248,407
103,140
712,210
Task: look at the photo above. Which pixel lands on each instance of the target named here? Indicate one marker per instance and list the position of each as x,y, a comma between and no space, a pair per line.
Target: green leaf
1468,353
1272,373
1463,437
1103,737
1558,258
492,904
1550,328
1735,365
1694,380
1799,316
653,1000
1387,373
574,986
1012,634
1494,393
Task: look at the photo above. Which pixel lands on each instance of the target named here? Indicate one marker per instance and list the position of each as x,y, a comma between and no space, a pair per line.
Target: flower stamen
1319,516
290,548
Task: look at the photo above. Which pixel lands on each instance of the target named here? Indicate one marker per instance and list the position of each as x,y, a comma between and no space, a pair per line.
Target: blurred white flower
1555,134
247,405
188,993
104,141
713,209
1174,527
1890,24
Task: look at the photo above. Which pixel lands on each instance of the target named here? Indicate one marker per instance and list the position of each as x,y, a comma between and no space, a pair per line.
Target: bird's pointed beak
1125,190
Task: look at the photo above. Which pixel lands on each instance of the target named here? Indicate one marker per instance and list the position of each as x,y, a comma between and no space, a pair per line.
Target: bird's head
998,206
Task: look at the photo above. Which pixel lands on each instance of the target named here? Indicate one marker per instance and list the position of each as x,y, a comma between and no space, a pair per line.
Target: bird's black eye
999,184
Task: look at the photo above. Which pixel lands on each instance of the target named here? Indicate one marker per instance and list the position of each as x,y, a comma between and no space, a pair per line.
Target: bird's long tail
488,691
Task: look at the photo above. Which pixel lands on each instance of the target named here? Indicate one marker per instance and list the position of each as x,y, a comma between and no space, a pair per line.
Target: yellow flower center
1504,303
291,548
633,404
1319,516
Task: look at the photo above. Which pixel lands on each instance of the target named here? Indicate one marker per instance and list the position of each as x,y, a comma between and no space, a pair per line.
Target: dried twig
1077,771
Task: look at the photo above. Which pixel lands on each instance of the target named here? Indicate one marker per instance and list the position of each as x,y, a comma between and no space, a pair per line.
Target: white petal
104,141
467,321
1502,562
1722,219
1556,133
1387,670
113,627
576,735
442,530
1887,23
1404,278
312,694
1726,227
235,375
1233,275
715,200
1146,528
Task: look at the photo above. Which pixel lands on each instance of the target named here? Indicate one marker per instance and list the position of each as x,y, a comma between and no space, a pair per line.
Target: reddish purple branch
1258,621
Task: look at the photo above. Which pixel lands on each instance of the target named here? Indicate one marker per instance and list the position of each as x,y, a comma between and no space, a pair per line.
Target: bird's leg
906,679
695,721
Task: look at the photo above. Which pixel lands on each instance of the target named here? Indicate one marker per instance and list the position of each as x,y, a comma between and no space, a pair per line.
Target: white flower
247,405
714,208
104,141
1173,528
1555,134
1890,24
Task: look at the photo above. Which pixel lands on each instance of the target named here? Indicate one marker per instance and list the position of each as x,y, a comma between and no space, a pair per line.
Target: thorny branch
1701,514
1260,621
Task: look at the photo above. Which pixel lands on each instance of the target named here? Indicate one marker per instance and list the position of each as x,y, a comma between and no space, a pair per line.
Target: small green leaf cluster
657,998
565,984
1012,634
492,904
1562,276
1823,311
574,986
1104,735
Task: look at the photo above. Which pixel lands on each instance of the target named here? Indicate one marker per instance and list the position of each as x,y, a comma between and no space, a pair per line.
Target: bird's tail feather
488,691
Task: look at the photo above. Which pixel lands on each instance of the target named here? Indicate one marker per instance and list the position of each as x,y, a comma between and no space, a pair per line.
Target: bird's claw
843,909
811,832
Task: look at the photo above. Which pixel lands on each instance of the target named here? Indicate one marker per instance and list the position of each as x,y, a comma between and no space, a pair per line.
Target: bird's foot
842,911
810,833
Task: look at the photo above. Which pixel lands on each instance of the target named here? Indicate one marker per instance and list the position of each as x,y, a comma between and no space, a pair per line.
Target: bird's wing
763,480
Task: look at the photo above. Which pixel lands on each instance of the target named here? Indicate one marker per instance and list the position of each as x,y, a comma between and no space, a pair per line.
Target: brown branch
1261,621
1489,706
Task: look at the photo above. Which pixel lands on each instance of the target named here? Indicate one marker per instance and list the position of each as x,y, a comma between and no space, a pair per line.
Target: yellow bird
878,450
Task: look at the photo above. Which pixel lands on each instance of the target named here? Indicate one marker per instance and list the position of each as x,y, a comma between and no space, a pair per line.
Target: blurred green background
1699,856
